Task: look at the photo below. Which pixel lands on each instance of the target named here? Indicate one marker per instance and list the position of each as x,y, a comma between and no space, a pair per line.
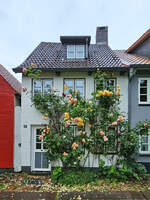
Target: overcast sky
25,23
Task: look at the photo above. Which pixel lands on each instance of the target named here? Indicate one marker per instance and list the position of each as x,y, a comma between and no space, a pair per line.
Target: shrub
73,176
56,174
128,171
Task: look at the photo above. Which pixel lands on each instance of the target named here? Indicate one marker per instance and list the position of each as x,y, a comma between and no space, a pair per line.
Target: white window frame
42,84
148,91
145,152
75,52
107,79
74,84
33,150
113,79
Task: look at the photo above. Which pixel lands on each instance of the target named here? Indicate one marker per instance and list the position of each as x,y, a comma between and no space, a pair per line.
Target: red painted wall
6,124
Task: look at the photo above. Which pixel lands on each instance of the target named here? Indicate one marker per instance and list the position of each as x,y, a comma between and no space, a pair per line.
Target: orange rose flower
120,118
65,154
102,133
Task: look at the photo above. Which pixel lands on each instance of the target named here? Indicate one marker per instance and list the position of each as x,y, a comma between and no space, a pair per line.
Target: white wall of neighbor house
32,117
17,139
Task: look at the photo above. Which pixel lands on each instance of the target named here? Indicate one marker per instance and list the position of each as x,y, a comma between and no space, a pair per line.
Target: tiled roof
51,56
139,41
131,59
14,83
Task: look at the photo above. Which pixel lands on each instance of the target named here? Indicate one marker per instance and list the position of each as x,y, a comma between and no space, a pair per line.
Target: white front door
39,159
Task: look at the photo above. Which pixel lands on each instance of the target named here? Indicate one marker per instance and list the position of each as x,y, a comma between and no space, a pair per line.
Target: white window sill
144,153
144,104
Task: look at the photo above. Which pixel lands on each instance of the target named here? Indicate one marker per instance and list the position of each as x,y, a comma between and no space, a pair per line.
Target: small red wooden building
10,96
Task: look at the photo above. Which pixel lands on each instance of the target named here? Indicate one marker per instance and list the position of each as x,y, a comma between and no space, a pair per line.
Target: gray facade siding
138,112
143,49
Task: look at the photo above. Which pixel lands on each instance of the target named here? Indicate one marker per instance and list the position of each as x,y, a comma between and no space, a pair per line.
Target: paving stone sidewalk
95,195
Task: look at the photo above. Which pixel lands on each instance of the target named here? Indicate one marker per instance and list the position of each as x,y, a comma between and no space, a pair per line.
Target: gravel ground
22,186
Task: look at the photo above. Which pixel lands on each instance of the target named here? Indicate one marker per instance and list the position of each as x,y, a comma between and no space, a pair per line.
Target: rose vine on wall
76,126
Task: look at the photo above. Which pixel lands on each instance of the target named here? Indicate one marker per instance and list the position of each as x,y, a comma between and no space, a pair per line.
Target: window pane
110,84
143,90
79,51
79,83
71,55
47,84
80,48
38,132
79,55
143,82
144,143
38,139
69,83
144,147
41,160
70,48
143,98
70,51
37,160
144,139
44,161
38,145
37,86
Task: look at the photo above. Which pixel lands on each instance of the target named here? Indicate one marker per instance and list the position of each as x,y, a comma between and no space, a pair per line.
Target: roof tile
49,55
130,59
14,83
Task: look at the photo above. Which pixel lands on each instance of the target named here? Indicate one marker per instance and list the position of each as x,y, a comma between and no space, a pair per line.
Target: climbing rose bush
76,127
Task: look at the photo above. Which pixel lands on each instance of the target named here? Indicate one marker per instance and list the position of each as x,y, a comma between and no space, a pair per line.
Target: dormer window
75,47
75,51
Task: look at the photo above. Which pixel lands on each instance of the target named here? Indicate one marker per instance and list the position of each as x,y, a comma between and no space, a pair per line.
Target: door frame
33,150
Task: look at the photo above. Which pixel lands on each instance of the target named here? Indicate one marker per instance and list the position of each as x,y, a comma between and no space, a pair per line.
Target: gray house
72,62
139,88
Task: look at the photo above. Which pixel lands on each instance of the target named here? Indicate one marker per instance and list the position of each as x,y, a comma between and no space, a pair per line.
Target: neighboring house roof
131,59
13,82
139,41
50,56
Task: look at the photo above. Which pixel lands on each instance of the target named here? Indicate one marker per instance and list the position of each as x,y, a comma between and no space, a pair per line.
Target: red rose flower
63,94
24,89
